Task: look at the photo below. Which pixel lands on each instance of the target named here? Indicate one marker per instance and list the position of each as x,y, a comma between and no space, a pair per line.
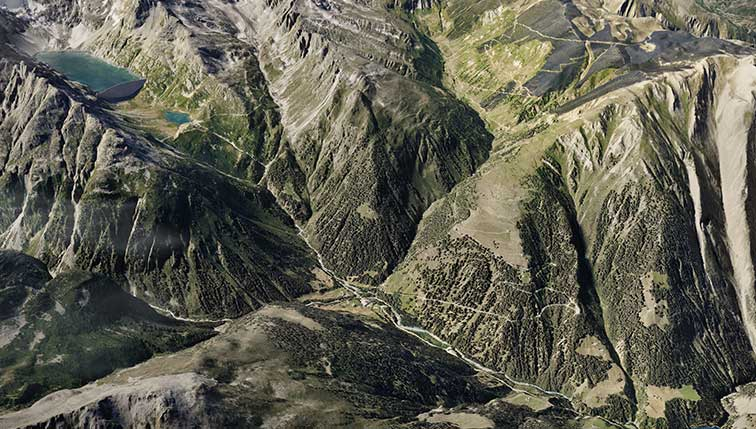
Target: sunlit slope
586,245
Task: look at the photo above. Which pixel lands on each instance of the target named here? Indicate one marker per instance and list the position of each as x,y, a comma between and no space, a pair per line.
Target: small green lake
81,67
177,117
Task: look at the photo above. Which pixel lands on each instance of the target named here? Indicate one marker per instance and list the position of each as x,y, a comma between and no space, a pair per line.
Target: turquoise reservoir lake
86,69
177,117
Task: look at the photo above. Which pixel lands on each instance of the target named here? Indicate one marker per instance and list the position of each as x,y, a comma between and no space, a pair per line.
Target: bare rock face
706,18
688,268
727,20
174,401
80,189
741,406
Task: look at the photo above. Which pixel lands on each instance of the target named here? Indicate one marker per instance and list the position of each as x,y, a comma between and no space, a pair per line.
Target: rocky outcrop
712,18
194,62
741,407
173,401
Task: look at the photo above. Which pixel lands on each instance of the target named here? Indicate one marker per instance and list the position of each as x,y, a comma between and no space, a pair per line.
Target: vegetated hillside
293,366
559,189
64,332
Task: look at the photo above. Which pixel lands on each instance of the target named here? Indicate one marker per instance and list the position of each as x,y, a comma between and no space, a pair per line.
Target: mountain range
380,213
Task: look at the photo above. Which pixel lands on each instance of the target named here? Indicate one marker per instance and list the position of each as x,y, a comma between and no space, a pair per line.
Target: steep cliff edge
193,63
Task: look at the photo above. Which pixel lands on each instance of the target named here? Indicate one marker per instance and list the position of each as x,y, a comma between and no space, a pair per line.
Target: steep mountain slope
63,332
373,136
302,96
81,189
558,189
591,254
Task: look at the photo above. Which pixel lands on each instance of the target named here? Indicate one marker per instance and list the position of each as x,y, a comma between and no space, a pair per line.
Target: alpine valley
378,214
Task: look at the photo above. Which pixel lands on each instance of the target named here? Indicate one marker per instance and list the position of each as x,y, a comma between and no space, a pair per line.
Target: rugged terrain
557,192
355,140
602,243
